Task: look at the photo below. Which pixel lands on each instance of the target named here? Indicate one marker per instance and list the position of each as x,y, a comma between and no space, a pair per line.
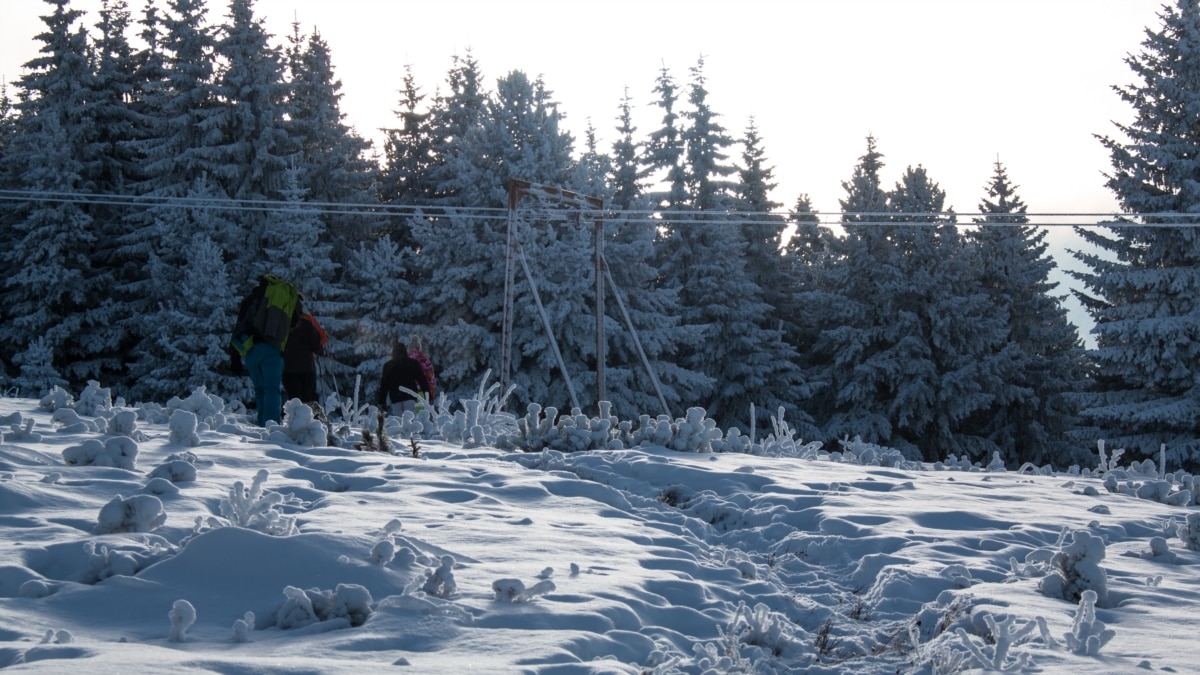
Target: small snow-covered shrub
514,590
440,582
1076,568
57,398
22,430
1088,634
93,400
206,407
257,509
182,616
124,423
139,513
350,603
70,422
857,451
299,426
1189,532
176,471
183,428
104,562
545,429
119,451
994,654
242,628
383,552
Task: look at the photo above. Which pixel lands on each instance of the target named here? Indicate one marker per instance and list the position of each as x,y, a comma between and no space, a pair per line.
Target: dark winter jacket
304,345
401,371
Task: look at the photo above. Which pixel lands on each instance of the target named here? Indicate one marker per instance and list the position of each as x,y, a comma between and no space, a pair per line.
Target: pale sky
948,84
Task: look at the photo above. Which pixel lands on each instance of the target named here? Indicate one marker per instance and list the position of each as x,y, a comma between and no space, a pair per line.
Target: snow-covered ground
168,539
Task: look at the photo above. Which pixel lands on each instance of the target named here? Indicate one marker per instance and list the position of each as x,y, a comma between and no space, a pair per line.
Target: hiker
415,351
401,371
259,338
306,342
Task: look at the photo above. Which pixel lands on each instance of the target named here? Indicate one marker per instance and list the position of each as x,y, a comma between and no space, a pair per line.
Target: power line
665,217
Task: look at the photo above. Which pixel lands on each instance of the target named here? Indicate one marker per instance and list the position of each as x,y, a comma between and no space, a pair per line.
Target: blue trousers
264,362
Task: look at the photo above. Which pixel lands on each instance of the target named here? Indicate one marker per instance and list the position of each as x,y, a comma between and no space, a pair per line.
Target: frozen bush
124,423
514,590
1189,533
300,608
242,628
175,470
22,430
1076,568
94,400
300,427
118,451
104,562
56,399
182,616
139,513
1004,636
1088,634
257,509
183,429
200,403
440,582
70,422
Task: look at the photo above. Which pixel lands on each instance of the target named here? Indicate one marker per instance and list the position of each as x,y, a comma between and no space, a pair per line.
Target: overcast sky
949,84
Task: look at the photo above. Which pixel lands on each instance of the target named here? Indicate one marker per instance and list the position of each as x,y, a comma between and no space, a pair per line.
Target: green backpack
268,317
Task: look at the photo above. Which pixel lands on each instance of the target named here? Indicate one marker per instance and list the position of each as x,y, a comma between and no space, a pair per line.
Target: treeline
142,190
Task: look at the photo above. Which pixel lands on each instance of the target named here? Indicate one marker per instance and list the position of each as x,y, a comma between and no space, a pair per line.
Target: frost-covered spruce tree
1034,411
653,309
191,350
452,116
662,158
174,109
1143,287
940,328
333,159
515,135
380,298
56,288
702,255
408,149
250,157
918,349
842,300
294,243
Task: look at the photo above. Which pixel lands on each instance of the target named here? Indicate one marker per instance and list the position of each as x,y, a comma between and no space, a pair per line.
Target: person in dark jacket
306,342
401,370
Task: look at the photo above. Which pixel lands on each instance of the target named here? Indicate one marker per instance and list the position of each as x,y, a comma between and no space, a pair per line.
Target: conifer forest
153,164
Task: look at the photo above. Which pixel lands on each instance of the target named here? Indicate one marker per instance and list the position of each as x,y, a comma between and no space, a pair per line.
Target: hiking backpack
268,316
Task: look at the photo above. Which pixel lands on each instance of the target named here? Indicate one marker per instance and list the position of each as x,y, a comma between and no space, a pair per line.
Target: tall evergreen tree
1033,413
1143,290
452,117
763,229
911,349
55,290
408,150
706,157
653,308
704,256
515,135
663,158
252,150
626,180
332,158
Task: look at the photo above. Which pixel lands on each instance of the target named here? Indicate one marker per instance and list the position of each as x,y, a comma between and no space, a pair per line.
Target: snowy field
180,538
